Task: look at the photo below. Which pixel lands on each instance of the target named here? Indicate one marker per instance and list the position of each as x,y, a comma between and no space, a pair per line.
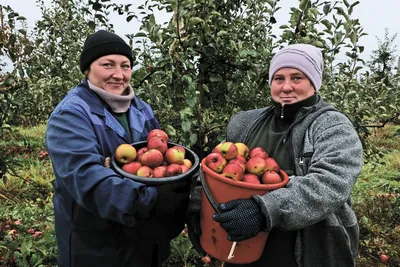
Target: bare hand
107,162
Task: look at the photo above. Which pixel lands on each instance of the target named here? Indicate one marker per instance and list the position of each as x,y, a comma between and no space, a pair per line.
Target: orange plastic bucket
214,238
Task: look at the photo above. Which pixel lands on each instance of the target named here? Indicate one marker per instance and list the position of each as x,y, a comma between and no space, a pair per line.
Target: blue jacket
91,202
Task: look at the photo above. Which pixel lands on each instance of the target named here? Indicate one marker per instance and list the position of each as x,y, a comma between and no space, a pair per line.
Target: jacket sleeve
79,167
332,172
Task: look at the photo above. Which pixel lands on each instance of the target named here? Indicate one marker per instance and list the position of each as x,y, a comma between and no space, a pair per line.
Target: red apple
175,154
383,258
184,168
144,171
251,178
157,143
216,162
241,158
229,150
132,167
272,165
243,149
233,171
238,161
140,153
217,148
152,158
159,172
173,170
256,166
125,153
157,132
187,163
258,152
271,177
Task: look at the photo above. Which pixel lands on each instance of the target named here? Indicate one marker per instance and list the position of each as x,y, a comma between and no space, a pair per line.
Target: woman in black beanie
98,214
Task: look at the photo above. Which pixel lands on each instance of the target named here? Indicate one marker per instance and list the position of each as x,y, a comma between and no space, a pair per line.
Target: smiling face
289,85
111,72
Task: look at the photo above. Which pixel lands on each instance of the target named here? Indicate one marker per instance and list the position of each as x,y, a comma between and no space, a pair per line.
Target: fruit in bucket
233,171
159,133
216,162
175,154
271,165
229,150
152,158
256,167
157,143
271,177
258,152
125,153
155,159
243,149
132,167
251,178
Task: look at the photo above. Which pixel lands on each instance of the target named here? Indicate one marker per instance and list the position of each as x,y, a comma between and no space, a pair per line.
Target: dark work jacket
91,202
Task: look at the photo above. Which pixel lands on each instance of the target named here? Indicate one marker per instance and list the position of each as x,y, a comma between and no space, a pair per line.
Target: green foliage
209,61
376,199
27,234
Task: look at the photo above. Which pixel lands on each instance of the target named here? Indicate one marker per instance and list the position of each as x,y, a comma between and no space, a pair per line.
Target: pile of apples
155,160
236,161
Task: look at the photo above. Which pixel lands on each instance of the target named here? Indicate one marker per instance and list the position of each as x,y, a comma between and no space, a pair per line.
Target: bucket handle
208,194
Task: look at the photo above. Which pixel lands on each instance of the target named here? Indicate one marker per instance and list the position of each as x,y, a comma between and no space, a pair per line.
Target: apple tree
211,59
16,46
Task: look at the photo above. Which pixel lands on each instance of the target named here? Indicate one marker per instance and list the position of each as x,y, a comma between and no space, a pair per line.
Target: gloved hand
193,219
170,198
241,219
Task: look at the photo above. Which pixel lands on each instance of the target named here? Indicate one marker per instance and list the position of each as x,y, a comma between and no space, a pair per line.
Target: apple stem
230,256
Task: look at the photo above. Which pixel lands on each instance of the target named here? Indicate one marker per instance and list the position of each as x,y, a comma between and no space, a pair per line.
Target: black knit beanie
100,44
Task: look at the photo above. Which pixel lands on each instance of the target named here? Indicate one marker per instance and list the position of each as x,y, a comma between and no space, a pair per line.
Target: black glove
171,197
193,219
241,219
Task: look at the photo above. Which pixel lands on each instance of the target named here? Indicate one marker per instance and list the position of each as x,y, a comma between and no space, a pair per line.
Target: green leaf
186,125
92,25
140,34
304,4
193,138
129,18
205,88
327,24
215,78
326,8
195,20
353,38
170,130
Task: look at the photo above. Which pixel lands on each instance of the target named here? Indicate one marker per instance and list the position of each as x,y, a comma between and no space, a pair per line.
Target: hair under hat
304,57
103,43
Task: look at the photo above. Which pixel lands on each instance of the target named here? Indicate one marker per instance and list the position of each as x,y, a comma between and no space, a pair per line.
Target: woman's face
111,72
289,85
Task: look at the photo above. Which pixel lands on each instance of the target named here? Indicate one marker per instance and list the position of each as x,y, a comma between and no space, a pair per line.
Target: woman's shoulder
72,101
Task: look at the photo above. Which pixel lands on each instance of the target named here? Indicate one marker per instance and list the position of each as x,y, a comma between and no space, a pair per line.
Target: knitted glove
193,219
241,219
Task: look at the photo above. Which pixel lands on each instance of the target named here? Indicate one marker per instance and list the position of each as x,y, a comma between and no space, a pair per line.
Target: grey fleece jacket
326,156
